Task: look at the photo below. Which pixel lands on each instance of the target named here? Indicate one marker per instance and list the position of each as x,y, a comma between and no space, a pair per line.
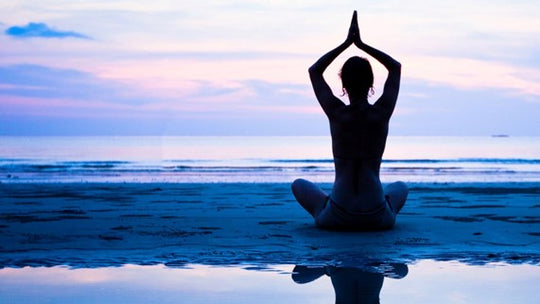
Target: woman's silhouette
359,131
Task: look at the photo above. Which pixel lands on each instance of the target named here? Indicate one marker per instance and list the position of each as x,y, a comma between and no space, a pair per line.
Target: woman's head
357,77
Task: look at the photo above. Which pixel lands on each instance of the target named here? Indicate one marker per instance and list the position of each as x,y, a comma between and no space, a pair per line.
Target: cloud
474,74
43,100
34,85
41,82
41,30
38,99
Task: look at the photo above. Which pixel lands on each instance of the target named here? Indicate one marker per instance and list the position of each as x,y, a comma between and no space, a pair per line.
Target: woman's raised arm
391,87
324,94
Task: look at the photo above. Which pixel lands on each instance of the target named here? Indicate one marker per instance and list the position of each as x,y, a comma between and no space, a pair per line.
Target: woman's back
358,131
359,134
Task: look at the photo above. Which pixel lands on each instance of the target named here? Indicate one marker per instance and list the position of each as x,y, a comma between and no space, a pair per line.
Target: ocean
183,159
206,159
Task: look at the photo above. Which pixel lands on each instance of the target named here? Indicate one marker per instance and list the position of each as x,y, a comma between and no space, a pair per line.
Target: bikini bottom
335,217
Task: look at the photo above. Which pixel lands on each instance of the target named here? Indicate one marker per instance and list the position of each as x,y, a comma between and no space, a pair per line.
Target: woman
359,130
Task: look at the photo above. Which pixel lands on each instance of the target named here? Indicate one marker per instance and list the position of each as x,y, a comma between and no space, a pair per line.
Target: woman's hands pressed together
353,37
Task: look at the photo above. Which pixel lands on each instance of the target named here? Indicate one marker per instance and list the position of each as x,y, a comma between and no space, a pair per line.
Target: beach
147,152
112,224
213,220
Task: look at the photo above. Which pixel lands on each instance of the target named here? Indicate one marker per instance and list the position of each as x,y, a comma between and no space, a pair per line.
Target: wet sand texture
90,225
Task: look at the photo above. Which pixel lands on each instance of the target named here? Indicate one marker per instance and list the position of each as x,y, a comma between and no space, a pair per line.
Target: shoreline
175,224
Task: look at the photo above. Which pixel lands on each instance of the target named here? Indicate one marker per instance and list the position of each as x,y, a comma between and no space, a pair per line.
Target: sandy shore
89,225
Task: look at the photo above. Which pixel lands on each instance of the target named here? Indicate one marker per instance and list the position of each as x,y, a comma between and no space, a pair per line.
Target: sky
239,67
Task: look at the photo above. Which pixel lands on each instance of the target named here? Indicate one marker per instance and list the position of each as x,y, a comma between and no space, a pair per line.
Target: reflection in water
429,281
353,284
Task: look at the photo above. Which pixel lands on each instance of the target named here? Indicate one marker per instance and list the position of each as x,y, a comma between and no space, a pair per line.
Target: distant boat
500,135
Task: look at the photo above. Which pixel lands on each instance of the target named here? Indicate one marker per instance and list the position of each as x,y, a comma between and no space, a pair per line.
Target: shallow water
424,281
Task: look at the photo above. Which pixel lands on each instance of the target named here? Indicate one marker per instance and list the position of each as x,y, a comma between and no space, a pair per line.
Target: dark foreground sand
90,225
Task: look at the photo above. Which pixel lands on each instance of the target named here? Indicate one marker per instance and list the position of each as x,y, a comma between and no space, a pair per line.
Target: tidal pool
424,281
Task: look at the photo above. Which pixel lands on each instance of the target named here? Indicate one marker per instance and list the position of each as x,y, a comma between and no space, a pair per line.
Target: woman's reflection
353,284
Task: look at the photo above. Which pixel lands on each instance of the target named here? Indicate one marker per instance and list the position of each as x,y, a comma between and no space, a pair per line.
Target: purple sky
240,67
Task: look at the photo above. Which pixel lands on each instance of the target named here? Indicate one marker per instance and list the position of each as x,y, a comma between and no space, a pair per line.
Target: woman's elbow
314,70
397,66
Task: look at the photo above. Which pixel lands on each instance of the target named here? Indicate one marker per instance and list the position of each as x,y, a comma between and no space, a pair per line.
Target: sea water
184,159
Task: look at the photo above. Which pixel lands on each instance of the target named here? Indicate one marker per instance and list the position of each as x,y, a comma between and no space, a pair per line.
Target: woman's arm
320,66
324,94
322,90
391,87
389,63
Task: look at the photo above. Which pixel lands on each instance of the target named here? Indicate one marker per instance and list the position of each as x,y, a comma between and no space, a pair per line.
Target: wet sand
107,224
